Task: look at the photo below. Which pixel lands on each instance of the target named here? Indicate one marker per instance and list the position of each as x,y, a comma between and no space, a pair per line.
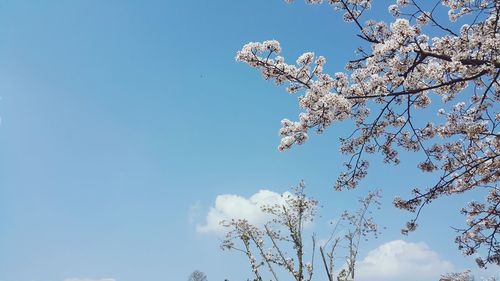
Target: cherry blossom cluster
463,276
482,222
321,106
387,91
457,276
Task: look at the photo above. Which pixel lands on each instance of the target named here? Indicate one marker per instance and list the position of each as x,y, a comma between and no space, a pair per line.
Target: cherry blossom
402,67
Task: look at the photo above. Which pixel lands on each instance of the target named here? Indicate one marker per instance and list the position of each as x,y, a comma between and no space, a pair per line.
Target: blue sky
123,120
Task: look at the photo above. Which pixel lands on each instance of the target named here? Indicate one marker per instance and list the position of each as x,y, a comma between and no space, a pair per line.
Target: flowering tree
459,276
398,71
267,246
197,276
462,276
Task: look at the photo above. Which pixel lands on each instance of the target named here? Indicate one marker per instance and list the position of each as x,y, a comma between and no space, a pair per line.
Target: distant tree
197,276
463,276
457,276
447,51
279,245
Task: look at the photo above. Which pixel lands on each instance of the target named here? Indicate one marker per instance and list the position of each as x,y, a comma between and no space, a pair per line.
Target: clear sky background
122,121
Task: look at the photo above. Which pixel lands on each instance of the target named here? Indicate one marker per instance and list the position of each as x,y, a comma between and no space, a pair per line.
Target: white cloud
89,279
399,260
229,206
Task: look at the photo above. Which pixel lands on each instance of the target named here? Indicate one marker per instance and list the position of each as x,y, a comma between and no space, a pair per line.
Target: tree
459,276
197,276
267,246
462,276
387,89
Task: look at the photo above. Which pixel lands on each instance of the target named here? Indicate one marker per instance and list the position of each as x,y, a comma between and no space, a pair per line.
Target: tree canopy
197,276
447,52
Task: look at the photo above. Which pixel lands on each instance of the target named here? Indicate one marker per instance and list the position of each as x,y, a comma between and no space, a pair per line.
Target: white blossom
416,63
